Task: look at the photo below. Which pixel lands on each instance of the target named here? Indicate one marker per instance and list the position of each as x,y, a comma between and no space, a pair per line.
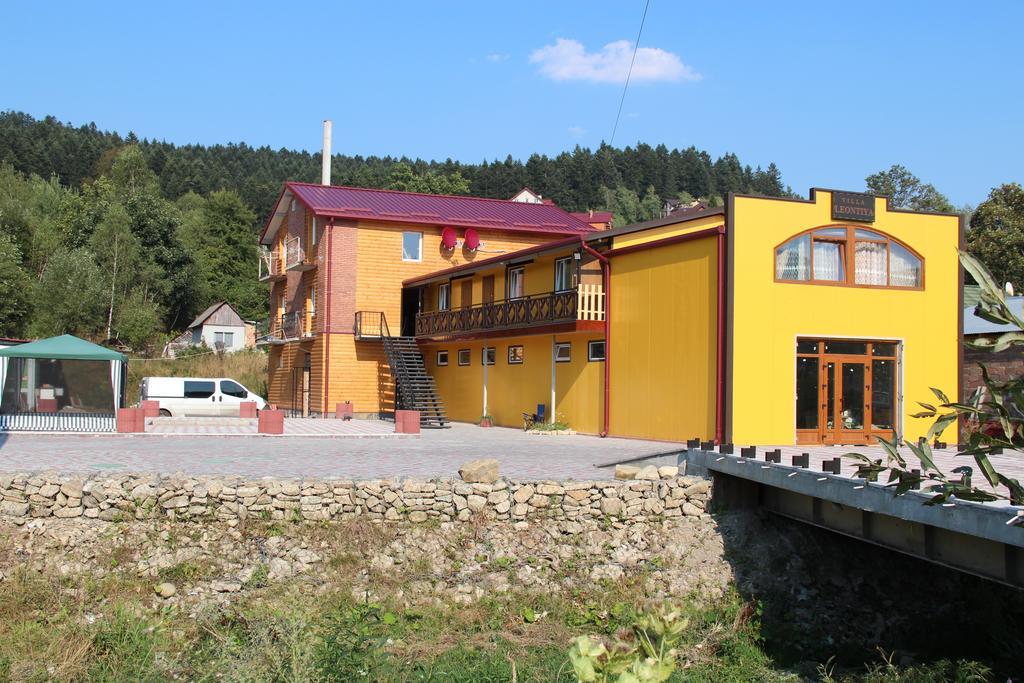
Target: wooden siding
380,269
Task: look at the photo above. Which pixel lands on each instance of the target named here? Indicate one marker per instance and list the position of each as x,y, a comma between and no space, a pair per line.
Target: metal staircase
414,387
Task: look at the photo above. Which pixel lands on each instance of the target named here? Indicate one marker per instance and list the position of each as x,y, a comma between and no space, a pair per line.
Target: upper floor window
563,274
516,278
412,246
444,296
850,256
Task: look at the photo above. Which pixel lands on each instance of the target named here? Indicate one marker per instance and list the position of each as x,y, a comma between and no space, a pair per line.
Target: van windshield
199,389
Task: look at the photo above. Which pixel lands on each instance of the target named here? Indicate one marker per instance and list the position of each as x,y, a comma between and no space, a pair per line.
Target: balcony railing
292,325
584,303
295,257
270,264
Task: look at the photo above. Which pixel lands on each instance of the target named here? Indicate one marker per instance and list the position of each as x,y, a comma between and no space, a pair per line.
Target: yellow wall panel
513,389
663,347
671,230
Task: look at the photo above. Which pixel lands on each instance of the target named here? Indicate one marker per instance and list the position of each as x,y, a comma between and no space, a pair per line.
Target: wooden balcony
567,308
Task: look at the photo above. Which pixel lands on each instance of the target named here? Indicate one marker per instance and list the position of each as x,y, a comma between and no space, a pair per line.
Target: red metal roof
594,217
411,207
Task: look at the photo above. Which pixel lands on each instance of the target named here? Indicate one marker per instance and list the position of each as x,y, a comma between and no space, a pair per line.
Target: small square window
515,355
412,246
595,350
563,352
442,358
487,355
464,357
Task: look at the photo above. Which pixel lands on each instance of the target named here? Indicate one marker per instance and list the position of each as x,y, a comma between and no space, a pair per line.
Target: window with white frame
464,357
412,246
563,352
442,358
487,355
223,340
444,296
595,350
563,274
515,282
515,354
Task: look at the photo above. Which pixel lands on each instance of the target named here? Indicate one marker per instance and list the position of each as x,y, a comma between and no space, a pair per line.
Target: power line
636,46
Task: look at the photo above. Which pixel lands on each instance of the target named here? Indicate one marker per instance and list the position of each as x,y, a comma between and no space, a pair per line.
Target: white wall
237,341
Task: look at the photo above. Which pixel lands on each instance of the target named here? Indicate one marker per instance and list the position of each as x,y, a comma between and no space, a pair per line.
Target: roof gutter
606,273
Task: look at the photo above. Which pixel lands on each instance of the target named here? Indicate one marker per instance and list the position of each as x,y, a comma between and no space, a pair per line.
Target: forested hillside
111,237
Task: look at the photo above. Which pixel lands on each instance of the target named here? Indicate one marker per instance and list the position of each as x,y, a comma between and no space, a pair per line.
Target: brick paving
435,453
235,426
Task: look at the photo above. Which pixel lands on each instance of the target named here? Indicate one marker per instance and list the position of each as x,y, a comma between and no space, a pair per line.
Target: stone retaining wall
127,496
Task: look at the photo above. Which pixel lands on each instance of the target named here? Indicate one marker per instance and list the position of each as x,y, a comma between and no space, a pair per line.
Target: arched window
848,255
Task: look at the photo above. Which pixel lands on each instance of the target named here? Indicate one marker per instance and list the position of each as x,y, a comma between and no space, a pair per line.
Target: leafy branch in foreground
992,420
646,654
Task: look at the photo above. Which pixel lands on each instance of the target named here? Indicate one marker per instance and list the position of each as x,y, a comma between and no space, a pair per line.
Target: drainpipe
606,279
720,350
329,234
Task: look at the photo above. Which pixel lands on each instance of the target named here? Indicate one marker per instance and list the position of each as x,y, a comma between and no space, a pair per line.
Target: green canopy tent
61,384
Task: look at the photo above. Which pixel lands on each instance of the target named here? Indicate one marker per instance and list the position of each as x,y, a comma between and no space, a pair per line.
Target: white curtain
871,264
793,260
3,375
905,269
828,261
115,382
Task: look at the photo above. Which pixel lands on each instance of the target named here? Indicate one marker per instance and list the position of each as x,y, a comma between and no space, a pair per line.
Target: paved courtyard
236,426
435,453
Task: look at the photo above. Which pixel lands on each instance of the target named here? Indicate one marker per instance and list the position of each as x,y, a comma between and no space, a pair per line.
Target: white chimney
325,167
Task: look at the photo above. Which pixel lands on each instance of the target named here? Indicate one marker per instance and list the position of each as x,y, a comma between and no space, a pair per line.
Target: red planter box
46,405
151,408
247,409
130,420
271,422
343,411
407,422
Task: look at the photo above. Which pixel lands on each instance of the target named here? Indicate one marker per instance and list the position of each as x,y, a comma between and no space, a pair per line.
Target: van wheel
164,412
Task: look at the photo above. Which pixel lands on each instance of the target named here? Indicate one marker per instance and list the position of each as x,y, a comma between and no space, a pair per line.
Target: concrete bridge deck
986,539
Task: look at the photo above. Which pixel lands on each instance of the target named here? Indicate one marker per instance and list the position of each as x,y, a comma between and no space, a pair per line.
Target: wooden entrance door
846,391
488,289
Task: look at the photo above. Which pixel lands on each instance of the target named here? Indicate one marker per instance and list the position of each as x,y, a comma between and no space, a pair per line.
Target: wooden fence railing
583,303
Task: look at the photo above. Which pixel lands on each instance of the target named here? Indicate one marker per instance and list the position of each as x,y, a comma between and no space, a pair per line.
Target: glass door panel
828,390
883,382
807,406
852,406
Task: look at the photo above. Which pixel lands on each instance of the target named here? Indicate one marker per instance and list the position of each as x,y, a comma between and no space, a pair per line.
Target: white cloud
496,57
568,60
577,131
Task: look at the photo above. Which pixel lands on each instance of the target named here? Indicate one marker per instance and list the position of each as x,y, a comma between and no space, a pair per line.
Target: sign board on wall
853,206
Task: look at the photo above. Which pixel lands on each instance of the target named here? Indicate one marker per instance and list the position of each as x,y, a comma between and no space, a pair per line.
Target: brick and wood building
336,258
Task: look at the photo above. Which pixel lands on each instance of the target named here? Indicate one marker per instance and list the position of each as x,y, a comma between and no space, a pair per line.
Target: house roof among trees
205,315
412,207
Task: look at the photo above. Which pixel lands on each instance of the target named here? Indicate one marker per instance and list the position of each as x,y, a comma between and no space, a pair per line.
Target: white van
205,396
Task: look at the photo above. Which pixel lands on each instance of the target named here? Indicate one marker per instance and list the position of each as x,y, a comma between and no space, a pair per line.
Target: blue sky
829,91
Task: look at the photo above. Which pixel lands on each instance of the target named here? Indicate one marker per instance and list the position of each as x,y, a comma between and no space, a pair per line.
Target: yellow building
767,321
